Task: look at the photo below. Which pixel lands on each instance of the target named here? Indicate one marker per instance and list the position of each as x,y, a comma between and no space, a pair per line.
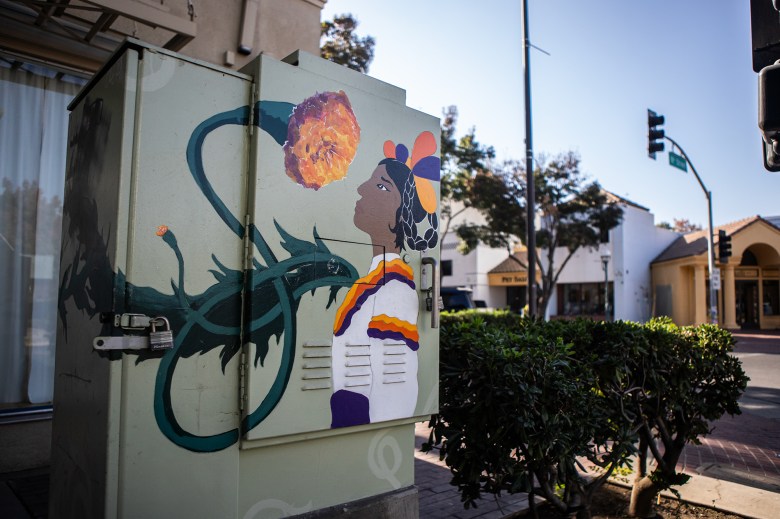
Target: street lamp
605,261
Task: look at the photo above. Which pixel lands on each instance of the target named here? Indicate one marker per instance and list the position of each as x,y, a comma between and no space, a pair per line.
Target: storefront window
584,299
771,303
33,137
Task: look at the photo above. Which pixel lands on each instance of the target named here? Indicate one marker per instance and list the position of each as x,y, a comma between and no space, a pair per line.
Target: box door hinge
247,244
242,390
252,111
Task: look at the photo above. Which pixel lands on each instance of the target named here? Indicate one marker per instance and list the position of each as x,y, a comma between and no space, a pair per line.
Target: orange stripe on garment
353,297
367,285
392,324
400,267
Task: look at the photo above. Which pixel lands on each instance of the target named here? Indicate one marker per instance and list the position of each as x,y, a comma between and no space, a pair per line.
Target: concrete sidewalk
730,497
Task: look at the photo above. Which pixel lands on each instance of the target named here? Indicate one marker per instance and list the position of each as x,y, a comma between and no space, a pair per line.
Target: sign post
683,162
715,279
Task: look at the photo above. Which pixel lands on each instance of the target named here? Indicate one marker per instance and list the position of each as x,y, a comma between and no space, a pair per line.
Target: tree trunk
643,495
532,504
541,309
544,297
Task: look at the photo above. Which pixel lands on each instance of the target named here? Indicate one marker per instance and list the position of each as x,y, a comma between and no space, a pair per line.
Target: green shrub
511,401
523,400
691,380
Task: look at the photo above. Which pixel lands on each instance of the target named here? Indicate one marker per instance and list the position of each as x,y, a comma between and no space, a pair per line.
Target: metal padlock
162,339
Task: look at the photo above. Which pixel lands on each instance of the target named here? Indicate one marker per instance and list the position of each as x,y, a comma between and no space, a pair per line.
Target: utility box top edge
322,67
132,44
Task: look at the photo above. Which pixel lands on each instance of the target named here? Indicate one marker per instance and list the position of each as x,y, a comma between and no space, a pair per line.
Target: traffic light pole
710,248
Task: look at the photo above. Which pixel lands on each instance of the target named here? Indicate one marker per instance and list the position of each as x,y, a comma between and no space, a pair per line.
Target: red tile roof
695,243
511,264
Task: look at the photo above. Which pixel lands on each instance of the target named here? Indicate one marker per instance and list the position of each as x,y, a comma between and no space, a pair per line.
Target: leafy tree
681,225
574,213
461,160
684,225
343,46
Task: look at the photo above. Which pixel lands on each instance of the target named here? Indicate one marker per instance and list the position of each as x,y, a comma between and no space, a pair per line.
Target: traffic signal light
655,135
724,246
769,115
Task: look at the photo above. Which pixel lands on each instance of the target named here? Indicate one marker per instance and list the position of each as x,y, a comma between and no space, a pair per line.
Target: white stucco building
498,279
471,270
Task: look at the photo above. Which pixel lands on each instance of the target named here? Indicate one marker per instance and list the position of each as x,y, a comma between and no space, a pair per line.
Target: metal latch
127,322
132,321
123,342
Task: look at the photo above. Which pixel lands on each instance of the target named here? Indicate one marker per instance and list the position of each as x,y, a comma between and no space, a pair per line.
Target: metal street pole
710,249
529,170
710,257
605,261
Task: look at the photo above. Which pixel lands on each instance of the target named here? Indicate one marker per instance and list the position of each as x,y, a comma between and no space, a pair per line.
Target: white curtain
33,143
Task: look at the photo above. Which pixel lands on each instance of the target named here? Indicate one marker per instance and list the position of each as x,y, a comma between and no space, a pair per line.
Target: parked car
457,298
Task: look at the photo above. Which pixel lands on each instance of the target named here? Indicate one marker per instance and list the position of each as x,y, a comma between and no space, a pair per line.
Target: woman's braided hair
411,212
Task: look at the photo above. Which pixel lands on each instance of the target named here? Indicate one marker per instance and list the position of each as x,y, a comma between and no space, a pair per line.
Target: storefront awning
510,272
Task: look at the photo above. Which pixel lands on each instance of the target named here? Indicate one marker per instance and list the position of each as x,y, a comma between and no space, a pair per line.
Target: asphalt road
760,356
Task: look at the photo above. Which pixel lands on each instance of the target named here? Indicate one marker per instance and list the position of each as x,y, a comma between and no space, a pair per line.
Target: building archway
757,287
749,295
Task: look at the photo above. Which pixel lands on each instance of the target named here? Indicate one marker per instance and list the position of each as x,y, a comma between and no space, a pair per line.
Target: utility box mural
248,298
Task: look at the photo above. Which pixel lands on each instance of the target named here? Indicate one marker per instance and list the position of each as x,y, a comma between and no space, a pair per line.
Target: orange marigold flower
162,229
322,139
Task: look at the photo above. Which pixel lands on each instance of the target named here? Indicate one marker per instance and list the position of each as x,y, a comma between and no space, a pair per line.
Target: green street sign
678,161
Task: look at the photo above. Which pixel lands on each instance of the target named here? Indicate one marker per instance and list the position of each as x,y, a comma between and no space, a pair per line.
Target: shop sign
508,279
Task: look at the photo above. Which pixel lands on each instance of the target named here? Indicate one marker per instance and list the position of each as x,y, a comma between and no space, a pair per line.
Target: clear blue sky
610,61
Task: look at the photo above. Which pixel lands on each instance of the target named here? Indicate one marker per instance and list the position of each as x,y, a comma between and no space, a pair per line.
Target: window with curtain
33,139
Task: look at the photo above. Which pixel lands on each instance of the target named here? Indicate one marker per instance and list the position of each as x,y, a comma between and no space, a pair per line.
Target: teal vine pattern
273,289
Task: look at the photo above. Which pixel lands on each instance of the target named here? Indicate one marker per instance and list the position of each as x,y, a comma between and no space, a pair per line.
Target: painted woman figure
375,337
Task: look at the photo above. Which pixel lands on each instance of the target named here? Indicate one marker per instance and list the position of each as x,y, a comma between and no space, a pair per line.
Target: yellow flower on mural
322,139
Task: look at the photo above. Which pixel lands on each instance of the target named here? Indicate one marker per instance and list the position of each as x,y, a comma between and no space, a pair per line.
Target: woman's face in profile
376,210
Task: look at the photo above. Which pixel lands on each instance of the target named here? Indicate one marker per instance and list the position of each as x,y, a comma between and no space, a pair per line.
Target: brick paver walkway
439,499
747,443
744,442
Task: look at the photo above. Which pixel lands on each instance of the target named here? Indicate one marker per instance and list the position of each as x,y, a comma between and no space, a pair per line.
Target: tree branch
664,431
654,449
549,493
563,265
524,265
449,222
